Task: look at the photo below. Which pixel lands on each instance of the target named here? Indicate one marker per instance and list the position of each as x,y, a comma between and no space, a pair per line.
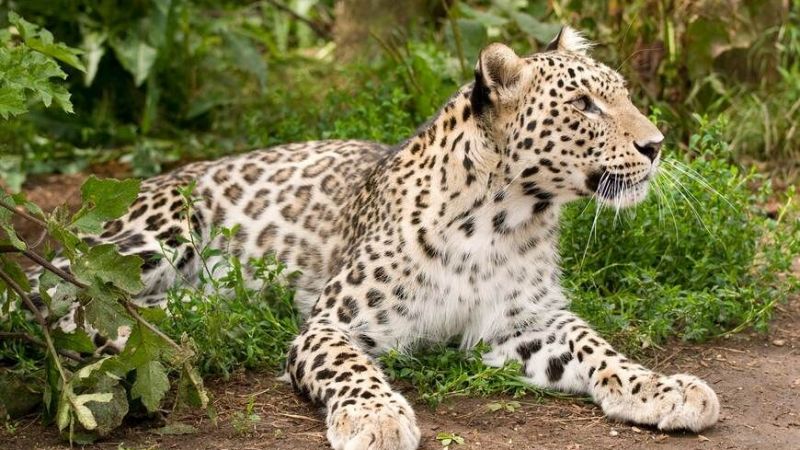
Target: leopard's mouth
619,190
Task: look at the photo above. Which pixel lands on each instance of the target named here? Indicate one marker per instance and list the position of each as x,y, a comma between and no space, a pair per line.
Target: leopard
449,236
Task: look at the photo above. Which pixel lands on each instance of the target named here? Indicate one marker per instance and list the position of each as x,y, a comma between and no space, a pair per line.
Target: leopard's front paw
374,424
677,402
697,409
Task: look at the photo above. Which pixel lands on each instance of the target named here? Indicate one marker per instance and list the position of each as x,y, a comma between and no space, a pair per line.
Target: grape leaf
104,263
103,200
107,316
151,384
77,341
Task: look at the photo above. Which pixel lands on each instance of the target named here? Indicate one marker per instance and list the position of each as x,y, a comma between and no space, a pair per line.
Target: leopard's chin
626,196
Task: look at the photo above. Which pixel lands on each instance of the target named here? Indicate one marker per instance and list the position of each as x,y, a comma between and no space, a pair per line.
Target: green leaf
541,31
83,413
104,263
13,238
142,346
151,385
63,416
12,101
190,388
93,51
77,341
42,41
247,56
107,316
103,200
135,55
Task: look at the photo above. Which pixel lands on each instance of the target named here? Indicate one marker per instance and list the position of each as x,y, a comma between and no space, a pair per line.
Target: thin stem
39,318
314,27
135,314
23,214
38,259
456,36
31,339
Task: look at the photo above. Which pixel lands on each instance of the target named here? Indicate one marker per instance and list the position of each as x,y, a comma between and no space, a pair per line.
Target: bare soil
757,378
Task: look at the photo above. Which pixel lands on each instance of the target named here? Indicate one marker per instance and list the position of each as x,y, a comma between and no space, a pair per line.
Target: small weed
10,425
245,422
508,406
448,439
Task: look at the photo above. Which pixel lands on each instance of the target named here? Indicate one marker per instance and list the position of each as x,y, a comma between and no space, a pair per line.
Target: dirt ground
756,377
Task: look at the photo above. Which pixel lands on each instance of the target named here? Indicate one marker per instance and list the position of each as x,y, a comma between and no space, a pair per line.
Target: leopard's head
565,124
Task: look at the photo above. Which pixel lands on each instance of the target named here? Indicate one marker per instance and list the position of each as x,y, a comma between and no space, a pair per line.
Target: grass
700,258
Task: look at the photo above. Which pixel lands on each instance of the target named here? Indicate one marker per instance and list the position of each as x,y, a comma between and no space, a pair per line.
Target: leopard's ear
497,71
569,40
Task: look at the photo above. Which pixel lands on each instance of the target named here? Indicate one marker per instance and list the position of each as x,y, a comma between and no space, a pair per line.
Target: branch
39,318
38,259
23,214
314,27
28,338
135,314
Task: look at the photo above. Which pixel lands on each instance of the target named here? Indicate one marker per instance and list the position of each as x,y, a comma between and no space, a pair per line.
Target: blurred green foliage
169,80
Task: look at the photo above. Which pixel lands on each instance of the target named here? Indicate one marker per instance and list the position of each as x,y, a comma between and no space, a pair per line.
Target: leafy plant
86,395
448,439
245,422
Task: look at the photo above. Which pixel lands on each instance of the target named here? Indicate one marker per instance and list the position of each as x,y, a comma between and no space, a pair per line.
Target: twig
23,214
38,259
135,314
39,318
28,338
49,266
314,27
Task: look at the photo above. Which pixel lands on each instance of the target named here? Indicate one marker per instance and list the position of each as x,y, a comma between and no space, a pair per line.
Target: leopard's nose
649,149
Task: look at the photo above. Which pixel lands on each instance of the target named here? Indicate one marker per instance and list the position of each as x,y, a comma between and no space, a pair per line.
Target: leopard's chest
473,293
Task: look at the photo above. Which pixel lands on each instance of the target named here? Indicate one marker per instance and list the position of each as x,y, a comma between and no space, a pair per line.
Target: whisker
695,176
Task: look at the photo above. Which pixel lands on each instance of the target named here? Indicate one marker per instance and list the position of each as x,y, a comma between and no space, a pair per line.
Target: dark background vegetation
157,83
171,80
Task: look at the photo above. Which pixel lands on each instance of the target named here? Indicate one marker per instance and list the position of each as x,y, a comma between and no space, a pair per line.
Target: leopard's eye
585,104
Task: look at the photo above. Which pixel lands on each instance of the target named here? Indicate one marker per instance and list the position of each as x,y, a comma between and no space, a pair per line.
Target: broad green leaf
151,384
104,263
142,346
541,31
83,413
247,56
77,341
107,316
57,293
42,41
16,273
93,51
12,101
103,200
135,55
87,370
63,415
190,388
13,238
